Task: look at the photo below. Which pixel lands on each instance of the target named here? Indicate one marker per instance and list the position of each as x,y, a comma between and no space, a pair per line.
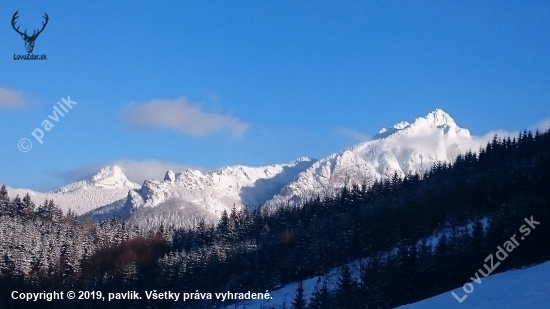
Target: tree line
473,204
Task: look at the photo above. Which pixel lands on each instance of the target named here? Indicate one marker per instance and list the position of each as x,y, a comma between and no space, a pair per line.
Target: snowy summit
402,148
405,147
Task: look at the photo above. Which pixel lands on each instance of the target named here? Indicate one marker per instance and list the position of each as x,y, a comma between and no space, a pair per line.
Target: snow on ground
516,289
286,293
527,288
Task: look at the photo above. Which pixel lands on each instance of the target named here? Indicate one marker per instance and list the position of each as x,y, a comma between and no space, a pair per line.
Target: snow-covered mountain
210,193
108,186
179,197
401,148
404,147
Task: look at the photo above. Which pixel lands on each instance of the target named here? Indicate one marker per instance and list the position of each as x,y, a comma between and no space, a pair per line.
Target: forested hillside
507,181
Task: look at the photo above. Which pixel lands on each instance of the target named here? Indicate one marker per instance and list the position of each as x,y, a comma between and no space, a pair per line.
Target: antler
13,24
43,25
34,33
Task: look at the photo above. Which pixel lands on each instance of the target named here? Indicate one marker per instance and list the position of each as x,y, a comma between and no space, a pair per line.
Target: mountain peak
111,176
401,148
437,117
302,159
109,172
170,176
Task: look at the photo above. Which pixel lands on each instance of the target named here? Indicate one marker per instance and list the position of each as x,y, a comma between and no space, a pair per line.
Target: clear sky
206,84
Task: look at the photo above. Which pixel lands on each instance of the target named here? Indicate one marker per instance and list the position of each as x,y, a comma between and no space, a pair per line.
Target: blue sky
209,84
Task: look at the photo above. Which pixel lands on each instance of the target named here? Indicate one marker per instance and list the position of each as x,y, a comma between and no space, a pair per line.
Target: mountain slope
399,149
108,186
210,193
517,289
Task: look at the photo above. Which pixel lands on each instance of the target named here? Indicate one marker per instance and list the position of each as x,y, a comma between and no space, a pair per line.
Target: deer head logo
29,40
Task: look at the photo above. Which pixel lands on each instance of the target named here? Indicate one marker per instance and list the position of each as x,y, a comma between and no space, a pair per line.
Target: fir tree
4,201
346,289
321,298
299,302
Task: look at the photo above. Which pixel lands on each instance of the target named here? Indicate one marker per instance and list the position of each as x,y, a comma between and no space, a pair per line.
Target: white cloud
183,116
352,134
135,170
481,141
11,98
84,172
541,126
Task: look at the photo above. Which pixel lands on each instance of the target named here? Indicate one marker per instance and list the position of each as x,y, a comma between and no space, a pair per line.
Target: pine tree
478,236
299,301
346,289
320,299
223,226
372,283
15,206
28,206
50,212
4,201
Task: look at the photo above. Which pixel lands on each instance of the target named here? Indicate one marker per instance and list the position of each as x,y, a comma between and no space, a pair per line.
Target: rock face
402,148
221,189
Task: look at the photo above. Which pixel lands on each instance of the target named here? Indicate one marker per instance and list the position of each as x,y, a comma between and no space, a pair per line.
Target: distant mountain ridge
108,186
402,148
210,193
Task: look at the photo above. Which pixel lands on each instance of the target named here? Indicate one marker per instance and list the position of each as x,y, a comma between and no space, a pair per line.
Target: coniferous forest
473,204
